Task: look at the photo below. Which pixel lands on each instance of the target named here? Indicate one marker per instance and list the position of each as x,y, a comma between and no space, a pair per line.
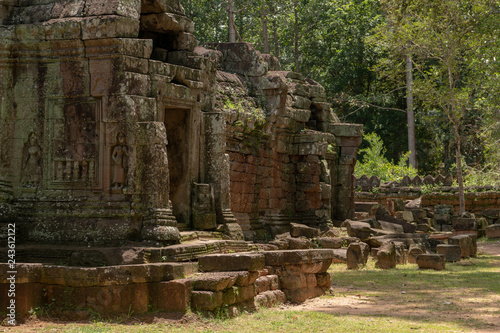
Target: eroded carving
119,157
32,161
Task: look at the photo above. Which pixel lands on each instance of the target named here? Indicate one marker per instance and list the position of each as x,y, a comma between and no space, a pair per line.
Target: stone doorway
177,123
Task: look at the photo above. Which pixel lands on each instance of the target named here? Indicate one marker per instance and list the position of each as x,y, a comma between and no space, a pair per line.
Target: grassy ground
463,298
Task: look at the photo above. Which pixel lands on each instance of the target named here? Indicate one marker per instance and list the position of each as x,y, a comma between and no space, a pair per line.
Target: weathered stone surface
357,255
413,252
386,256
206,300
431,261
467,243
270,298
298,230
339,256
265,283
173,296
330,242
451,252
391,227
463,223
493,231
360,230
232,262
213,281
289,257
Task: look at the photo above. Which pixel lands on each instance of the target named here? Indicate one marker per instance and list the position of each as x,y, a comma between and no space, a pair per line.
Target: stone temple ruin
115,126
120,137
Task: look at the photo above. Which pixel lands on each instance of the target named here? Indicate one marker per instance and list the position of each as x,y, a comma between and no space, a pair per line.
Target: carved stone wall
110,113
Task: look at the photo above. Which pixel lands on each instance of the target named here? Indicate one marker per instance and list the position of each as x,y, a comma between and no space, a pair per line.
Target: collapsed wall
116,127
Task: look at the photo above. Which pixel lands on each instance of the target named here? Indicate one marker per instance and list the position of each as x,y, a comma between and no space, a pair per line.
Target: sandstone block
451,252
292,282
466,244
493,231
130,8
270,298
298,230
300,295
206,300
431,261
357,255
413,252
386,256
287,257
245,293
463,223
324,280
391,227
298,243
231,262
329,242
360,230
339,256
109,26
213,281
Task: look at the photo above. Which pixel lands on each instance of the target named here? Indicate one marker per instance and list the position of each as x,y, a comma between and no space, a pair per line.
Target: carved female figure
120,162
32,156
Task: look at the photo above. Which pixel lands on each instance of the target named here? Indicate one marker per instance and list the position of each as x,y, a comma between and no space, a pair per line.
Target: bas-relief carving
32,162
119,157
76,142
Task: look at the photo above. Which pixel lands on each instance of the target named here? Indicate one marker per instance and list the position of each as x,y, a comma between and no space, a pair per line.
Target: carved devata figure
119,155
32,158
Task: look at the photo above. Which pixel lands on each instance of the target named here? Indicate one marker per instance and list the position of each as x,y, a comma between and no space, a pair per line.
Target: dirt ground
474,309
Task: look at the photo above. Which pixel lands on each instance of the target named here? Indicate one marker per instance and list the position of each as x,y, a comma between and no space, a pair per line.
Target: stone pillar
348,138
152,184
216,164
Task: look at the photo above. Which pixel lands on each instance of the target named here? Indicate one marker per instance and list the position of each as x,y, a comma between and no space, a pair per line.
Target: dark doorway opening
177,122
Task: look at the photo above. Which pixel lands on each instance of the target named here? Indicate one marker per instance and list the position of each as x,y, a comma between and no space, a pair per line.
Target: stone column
216,164
152,184
348,138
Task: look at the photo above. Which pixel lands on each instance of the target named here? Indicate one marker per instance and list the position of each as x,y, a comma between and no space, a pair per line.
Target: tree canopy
356,49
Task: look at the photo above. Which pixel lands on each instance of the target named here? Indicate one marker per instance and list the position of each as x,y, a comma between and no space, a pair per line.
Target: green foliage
373,162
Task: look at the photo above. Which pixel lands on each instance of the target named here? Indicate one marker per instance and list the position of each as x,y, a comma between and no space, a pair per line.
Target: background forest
362,52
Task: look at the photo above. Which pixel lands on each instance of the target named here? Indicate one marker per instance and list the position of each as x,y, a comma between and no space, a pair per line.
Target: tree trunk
231,26
410,113
265,34
275,34
461,195
296,35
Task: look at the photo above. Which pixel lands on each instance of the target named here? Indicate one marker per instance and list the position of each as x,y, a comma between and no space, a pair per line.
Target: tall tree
443,37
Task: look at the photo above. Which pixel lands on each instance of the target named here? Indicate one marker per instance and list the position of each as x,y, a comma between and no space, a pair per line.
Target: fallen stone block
298,230
466,244
360,230
414,251
386,256
392,227
330,242
451,252
463,223
339,256
493,231
357,255
431,261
